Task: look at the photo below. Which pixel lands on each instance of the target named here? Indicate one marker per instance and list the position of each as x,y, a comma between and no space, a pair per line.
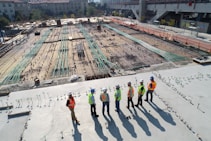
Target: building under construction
120,47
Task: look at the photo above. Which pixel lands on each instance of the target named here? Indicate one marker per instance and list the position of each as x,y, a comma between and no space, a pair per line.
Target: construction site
93,48
39,65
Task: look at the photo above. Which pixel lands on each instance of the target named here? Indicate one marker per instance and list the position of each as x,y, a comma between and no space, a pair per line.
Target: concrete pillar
142,10
181,19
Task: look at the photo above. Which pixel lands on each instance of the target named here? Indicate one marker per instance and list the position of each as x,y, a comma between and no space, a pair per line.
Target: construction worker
104,97
36,82
141,91
151,88
117,97
91,100
130,95
71,105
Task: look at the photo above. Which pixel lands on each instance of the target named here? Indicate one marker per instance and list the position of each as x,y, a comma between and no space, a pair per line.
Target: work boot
117,111
96,115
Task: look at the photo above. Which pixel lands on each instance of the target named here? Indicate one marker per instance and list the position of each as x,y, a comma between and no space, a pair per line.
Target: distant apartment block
53,7
59,6
7,8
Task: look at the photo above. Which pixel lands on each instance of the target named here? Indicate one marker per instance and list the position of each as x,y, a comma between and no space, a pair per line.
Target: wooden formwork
126,52
85,65
152,40
16,55
117,48
41,65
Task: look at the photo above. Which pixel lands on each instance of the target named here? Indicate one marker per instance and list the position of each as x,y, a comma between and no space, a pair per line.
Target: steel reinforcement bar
14,76
167,55
101,61
62,68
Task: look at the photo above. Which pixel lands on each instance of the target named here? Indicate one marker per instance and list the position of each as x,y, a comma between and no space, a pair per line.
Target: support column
142,10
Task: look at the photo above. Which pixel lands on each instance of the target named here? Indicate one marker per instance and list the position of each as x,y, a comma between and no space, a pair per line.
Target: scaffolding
103,64
62,66
167,55
14,76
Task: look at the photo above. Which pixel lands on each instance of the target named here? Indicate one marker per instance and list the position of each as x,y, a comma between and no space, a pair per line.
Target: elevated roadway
160,7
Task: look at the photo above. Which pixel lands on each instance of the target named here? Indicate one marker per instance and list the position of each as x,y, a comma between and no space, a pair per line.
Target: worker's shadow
98,129
77,134
125,122
142,123
165,115
152,119
113,129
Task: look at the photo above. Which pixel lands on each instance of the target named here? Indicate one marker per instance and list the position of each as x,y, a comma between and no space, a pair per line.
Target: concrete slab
180,110
203,60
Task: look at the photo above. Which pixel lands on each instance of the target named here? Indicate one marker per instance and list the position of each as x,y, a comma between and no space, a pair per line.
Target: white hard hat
104,90
141,80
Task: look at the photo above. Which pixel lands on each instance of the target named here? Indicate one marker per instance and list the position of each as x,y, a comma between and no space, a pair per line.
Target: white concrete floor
180,111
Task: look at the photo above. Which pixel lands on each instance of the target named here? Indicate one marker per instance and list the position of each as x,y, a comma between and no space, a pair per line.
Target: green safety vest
141,90
91,98
117,95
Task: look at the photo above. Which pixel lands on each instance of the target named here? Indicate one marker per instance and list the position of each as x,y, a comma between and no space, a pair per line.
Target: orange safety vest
130,92
152,85
103,97
71,103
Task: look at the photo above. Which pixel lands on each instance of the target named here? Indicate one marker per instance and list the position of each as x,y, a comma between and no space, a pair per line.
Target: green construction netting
102,62
14,75
62,66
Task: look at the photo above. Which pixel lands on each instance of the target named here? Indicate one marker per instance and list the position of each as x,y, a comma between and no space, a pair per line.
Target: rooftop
180,110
